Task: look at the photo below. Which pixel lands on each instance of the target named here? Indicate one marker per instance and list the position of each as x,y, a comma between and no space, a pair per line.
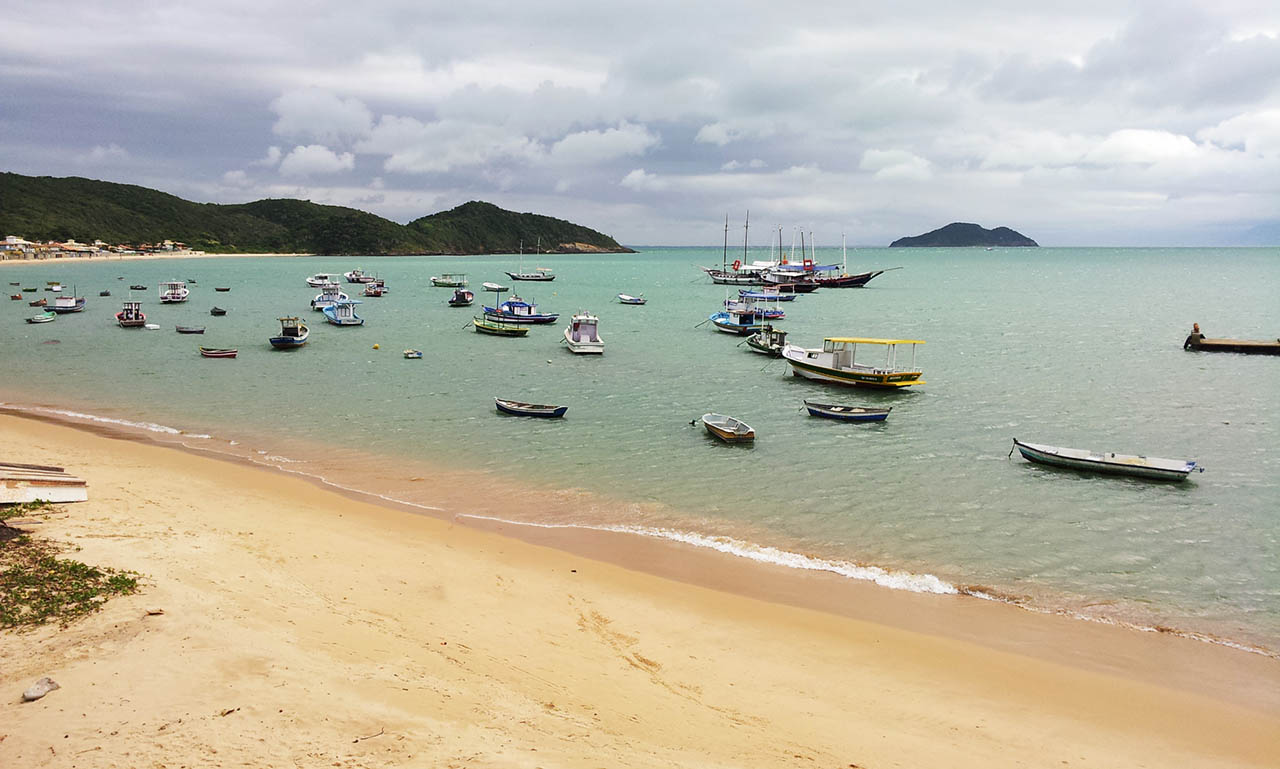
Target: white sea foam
148,426
897,580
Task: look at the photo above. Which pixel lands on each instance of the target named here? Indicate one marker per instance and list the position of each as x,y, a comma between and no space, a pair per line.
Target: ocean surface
1073,347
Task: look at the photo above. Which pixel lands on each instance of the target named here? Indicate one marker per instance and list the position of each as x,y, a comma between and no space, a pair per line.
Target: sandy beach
94,258
302,627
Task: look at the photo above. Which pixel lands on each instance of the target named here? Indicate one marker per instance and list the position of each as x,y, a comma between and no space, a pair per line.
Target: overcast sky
1147,123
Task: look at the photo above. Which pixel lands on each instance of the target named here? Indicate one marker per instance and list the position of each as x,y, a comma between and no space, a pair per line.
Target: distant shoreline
135,257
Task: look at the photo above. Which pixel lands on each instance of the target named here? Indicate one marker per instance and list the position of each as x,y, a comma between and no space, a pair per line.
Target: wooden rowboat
1108,462
521,409
486,325
1199,343
218,352
846,413
728,429
189,329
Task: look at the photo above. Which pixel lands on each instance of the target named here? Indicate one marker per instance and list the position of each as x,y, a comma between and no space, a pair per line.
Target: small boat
495,287
173,291
23,483
43,317
1107,462
516,310
541,273
321,278
728,429
765,293
486,325
836,362
450,280
330,293
413,354
846,413
343,313
15,296
152,326
189,329
131,316
583,336
53,285
1198,343
378,287
218,352
461,298
15,283
768,341
137,287
293,333
38,303
192,281
104,293
217,311
223,289
521,409
629,299
357,276
66,304
736,321
767,313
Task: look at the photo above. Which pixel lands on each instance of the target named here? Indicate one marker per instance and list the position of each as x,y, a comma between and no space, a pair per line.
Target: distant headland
963,235
45,208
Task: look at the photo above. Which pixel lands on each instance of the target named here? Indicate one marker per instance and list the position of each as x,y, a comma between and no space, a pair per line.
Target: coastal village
17,247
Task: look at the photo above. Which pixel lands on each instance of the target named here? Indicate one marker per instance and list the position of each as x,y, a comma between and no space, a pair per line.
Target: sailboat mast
724,258
746,225
844,255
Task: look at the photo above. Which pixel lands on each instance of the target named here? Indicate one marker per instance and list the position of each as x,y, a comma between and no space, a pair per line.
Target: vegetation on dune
38,587
60,209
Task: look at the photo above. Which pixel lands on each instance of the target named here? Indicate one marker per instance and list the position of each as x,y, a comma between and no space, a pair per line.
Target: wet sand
317,618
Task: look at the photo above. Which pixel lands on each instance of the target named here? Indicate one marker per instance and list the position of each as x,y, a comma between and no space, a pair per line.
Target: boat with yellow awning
836,361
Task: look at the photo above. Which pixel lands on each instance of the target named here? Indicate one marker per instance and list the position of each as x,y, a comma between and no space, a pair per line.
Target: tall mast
745,226
844,255
724,259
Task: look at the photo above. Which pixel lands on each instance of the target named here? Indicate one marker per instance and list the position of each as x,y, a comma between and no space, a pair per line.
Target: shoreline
365,635
1150,655
133,258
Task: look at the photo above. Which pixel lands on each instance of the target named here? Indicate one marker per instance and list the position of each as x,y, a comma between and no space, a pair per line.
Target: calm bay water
1072,347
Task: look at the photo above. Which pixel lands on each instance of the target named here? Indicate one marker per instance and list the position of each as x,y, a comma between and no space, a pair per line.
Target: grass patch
38,587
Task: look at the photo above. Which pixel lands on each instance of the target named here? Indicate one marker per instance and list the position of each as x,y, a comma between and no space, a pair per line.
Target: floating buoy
377,347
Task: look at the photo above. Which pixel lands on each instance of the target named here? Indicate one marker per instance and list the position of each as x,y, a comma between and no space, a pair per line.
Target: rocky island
964,235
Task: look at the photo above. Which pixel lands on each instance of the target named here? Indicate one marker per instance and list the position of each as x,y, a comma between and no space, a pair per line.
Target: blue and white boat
846,413
516,310
1108,462
343,313
766,293
768,313
330,293
293,333
737,321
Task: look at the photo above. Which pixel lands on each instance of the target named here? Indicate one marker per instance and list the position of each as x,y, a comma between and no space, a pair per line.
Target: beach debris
228,712
39,689
154,611
25,483
381,732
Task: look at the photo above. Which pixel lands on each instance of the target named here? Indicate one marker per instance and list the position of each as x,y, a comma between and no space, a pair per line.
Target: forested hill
961,234
47,208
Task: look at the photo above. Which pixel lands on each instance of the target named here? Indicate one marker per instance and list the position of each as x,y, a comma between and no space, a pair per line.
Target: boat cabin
291,326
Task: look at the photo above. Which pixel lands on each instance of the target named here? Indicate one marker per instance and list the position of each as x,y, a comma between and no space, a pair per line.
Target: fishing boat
15,283
293,333
53,285
450,280
761,311
413,354
173,291
583,336
629,299
376,288
517,310
223,289
1199,343
38,303
764,293
217,311
65,304
321,278
461,298
104,293
836,362
15,296
540,274
522,409
1107,462
343,313
768,341
218,352
189,329
43,317
330,293
131,315
357,276
846,413
137,287
728,429
736,321
486,325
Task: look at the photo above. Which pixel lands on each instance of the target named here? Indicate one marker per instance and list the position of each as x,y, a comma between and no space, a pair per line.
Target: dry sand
135,257
305,628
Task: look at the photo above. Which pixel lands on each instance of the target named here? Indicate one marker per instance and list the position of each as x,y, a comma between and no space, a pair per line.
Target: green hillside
483,228
47,208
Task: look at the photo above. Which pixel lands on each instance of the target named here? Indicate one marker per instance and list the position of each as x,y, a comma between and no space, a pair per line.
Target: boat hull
861,376
211,352
1199,343
534,277
728,429
846,413
1108,463
847,281
498,328
519,409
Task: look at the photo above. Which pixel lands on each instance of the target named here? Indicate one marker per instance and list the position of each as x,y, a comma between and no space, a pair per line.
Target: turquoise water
1071,347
